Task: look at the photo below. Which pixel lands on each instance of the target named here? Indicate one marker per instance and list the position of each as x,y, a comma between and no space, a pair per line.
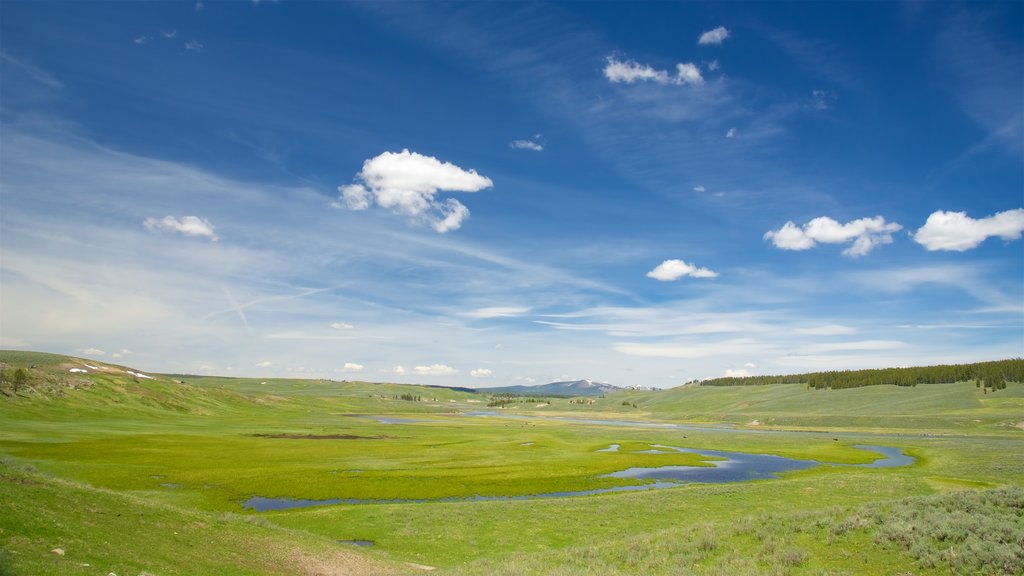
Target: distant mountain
572,388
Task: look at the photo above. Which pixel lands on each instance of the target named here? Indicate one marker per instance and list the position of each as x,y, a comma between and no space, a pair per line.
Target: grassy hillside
181,454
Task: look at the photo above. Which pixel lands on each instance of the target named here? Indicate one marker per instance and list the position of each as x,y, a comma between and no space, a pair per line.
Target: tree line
992,375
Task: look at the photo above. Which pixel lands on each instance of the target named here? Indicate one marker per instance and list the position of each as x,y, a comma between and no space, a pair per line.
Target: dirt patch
1019,425
754,423
322,436
337,564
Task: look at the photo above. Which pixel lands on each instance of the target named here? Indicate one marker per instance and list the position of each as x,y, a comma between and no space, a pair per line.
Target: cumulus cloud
194,46
737,373
435,370
92,352
699,189
264,364
865,234
956,231
675,269
187,225
688,74
480,373
731,133
351,367
716,36
406,183
630,72
341,326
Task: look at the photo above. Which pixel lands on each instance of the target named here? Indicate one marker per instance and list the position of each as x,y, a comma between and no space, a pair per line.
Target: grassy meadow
147,474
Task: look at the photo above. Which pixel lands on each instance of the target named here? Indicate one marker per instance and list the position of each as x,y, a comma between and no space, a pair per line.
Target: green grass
102,531
185,451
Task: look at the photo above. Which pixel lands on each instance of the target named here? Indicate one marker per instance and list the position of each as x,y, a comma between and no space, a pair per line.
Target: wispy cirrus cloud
34,72
498,312
865,233
407,182
958,232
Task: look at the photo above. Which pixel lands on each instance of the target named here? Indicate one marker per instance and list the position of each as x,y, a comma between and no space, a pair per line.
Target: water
726,467
891,457
729,467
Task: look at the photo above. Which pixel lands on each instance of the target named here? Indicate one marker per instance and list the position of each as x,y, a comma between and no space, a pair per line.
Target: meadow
137,473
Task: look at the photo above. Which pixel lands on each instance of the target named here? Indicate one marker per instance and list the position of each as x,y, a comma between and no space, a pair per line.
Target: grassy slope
127,436
102,531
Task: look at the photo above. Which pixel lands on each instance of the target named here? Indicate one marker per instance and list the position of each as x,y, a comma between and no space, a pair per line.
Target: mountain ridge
583,387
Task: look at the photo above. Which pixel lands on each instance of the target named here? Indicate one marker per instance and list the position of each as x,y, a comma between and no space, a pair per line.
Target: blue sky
501,193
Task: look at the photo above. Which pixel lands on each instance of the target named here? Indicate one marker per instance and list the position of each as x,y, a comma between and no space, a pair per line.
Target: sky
488,194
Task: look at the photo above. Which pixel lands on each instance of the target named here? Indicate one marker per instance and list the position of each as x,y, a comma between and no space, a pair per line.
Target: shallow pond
726,467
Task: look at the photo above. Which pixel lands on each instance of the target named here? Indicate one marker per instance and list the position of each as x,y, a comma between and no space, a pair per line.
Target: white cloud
342,326
716,36
194,46
398,369
629,72
142,39
406,183
714,65
738,373
92,352
187,225
169,33
699,189
826,330
731,133
688,74
435,370
956,231
351,367
354,197
676,269
264,364
498,312
865,233
536,144
480,373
